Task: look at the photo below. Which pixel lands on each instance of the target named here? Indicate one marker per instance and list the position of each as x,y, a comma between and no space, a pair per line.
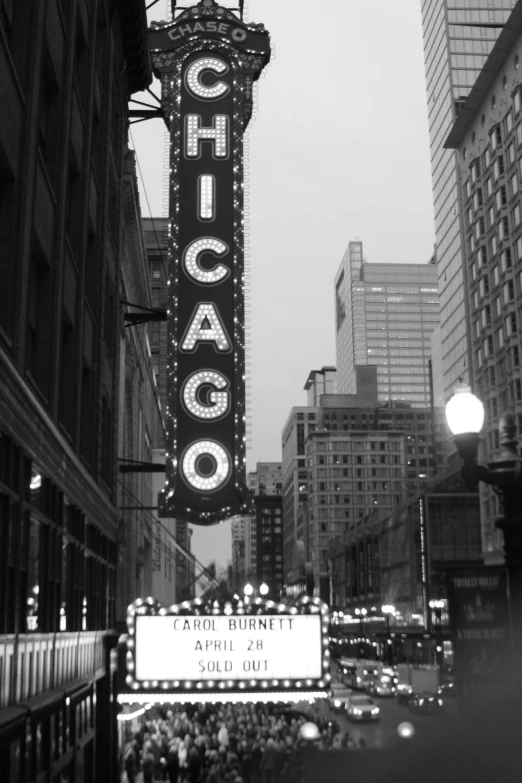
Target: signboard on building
479,620
207,79
234,646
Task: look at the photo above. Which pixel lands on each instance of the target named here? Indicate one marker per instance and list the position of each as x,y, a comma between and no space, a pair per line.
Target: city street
383,734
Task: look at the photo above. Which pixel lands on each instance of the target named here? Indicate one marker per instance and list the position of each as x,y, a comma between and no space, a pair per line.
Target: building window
511,324
508,291
496,138
503,229
509,122
483,286
505,259
516,215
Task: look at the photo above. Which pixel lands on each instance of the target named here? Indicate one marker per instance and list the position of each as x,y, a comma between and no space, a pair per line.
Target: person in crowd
148,761
130,761
226,743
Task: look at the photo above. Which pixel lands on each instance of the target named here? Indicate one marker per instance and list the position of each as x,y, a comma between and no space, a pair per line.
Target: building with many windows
266,479
298,426
458,37
155,233
67,72
269,537
361,464
487,140
385,315
400,560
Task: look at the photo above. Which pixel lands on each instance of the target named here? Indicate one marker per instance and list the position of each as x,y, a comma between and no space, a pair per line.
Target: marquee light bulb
206,311
193,78
191,260
221,471
218,134
220,400
207,194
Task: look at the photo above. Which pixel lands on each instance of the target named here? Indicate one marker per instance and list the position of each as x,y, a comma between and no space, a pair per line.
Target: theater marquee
207,62
237,647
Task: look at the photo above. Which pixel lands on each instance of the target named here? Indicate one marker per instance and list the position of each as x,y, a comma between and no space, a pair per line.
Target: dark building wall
67,70
269,536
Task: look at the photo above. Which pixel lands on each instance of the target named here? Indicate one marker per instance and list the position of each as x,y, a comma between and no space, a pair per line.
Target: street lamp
248,589
465,414
388,609
264,589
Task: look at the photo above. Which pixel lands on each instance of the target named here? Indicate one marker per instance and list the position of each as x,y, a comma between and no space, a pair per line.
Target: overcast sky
339,150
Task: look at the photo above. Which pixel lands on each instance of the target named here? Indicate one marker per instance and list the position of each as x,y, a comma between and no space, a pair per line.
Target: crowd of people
224,743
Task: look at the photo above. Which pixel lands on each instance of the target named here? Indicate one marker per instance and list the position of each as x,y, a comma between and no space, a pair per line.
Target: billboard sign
251,645
479,621
207,80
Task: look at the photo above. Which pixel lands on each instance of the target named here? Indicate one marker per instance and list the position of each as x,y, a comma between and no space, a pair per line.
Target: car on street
361,708
384,687
338,697
426,704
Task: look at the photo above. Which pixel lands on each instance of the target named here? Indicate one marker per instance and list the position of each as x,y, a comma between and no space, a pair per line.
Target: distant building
487,136
363,462
244,545
401,564
266,479
319,382
385,315
147,564
155,232
269,536
458,38
300,423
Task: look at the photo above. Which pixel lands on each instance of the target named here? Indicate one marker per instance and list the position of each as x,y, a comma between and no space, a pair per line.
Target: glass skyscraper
385,314
458,37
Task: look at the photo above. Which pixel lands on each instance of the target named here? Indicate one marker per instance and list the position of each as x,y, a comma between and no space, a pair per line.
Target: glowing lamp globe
264,589
248,589
464,411
309,731
405,730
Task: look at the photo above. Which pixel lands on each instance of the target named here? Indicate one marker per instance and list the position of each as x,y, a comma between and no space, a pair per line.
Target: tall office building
487,137
385,315
244,548
455,49
299,424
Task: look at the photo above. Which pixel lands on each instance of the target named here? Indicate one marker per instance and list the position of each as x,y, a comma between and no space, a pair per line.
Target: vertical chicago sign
207,61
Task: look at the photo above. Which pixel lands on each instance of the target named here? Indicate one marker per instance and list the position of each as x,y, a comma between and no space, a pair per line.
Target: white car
339,696
360,708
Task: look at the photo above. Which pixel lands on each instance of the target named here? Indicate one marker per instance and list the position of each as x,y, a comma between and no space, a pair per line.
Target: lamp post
465,414
437,604
388,609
